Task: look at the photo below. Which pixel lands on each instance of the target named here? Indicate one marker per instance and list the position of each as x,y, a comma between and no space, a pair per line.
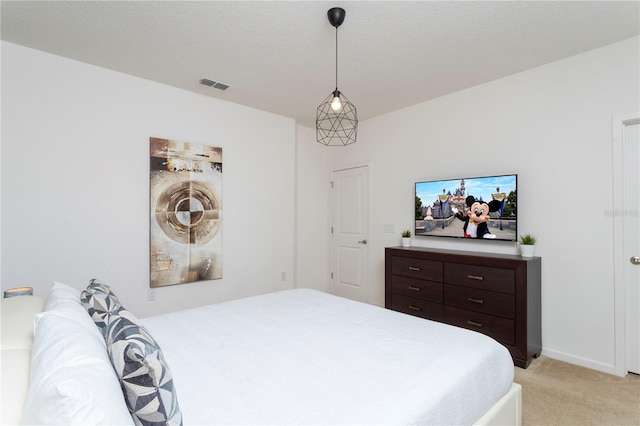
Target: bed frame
15,354
507,411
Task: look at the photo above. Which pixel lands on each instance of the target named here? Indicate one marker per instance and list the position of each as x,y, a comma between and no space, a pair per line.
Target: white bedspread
307,357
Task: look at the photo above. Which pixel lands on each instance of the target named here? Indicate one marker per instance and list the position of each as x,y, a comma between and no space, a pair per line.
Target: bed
291,357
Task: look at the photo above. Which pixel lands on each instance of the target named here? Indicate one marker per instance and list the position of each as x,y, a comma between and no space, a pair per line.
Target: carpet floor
558,393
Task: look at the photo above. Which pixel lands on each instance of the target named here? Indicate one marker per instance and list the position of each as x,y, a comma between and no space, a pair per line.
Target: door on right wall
631,150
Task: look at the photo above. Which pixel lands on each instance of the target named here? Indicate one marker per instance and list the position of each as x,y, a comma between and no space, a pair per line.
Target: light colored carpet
558,393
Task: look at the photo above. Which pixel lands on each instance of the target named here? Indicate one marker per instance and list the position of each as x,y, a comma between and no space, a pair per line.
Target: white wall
312,211
552,126
75,181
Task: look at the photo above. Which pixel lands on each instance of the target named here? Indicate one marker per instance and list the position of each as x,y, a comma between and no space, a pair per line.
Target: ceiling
279,56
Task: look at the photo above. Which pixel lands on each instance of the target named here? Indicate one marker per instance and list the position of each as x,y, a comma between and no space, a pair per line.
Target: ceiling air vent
214,84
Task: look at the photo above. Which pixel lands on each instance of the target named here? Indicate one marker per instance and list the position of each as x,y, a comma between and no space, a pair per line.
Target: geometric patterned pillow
100,302
145,378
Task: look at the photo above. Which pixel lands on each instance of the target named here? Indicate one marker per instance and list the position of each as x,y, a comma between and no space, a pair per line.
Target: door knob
635,260
365,242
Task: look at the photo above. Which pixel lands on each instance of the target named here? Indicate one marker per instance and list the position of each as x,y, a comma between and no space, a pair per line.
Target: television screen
478,208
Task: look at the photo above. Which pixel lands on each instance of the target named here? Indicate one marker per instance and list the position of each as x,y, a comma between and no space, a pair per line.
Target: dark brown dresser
495,294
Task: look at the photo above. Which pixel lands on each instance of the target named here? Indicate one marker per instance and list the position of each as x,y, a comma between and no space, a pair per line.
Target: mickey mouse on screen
476,218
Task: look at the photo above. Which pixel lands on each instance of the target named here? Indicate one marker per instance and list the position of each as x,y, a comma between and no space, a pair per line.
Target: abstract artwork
186,212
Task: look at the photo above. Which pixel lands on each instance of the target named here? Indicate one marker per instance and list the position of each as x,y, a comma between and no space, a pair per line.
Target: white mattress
307,357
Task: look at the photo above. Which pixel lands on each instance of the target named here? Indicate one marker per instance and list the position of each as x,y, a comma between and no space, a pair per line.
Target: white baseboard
582,362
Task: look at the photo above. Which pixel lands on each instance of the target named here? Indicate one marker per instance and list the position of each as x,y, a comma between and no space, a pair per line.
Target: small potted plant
406,238
527,245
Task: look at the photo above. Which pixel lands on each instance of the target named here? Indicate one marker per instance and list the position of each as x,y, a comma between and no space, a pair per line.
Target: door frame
335,169
618,125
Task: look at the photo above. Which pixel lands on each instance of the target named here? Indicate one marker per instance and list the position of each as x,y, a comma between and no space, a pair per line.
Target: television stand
494,294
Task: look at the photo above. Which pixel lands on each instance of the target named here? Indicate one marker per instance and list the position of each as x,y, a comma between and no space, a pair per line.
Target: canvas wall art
186,212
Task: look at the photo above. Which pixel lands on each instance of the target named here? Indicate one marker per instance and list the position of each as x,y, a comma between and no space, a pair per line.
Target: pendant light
336,117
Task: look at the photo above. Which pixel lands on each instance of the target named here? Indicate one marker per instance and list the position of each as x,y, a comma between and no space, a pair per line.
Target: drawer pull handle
415,308
473,323
414,268
471,299
475,277
414,288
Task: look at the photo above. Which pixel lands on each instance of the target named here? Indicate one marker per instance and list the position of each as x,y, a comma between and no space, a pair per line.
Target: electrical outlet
283,276
389,228
151,295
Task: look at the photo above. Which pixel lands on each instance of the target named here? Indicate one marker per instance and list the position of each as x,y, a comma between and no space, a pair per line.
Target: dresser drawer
482,277
417,307
416,268
501,329
473,299
421,289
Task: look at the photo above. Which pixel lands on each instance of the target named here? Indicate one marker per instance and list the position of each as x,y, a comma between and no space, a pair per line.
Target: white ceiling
279,56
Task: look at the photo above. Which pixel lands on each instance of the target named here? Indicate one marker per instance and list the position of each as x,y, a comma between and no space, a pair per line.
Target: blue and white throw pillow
144,375
100,302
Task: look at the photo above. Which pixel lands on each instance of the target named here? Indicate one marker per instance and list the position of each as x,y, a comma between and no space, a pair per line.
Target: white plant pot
527,250
406,241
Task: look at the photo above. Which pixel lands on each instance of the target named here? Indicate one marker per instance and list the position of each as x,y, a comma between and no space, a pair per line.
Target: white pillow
64,300
72,379
61,292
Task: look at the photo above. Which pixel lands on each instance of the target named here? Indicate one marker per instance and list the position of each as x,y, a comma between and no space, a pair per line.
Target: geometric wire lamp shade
336,117
336,128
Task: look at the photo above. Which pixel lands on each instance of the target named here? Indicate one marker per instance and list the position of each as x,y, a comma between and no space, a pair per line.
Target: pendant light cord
336,58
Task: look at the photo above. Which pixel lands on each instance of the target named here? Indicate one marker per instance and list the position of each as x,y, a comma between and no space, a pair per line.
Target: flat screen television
483,208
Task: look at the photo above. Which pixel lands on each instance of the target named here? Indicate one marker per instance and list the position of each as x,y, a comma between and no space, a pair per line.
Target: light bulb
336,103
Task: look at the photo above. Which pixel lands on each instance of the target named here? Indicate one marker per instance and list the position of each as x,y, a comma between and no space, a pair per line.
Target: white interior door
626,239
632,243
350,230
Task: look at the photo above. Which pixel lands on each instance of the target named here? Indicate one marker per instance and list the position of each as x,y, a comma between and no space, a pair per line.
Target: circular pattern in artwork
188,213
